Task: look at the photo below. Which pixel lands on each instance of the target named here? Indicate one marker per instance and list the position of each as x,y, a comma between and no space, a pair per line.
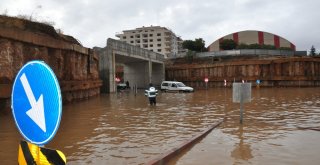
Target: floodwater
280,126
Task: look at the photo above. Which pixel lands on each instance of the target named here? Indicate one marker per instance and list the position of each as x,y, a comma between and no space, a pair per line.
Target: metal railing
251,52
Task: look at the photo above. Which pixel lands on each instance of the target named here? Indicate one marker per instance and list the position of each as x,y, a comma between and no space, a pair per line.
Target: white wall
137,73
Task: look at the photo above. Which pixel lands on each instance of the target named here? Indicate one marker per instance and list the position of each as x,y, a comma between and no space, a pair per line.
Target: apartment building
154,38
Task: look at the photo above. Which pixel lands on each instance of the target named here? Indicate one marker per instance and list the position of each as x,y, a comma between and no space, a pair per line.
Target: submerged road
280,126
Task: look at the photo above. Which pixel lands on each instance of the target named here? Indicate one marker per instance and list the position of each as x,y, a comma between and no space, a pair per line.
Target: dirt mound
35,27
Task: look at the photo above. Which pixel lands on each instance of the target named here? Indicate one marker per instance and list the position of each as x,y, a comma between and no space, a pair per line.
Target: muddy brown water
280,126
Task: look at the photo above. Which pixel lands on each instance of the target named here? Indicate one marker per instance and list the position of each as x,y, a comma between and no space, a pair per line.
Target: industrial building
253,37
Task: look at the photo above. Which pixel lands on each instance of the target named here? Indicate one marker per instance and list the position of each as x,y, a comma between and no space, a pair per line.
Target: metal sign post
241,94
206,80
258,83
241,104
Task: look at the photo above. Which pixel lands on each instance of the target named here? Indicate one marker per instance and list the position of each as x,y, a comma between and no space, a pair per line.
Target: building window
159,39
131,42
124,37
131,36
150,35
145,35
151,45
159,50
151,40
158,34
159,45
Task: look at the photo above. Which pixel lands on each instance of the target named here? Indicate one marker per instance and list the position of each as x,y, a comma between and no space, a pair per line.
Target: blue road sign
258,82
36,102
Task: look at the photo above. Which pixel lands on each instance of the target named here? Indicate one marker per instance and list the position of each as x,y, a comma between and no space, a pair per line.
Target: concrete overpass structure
140,66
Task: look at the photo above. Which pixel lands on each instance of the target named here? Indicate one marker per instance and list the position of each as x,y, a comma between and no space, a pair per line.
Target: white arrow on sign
36,113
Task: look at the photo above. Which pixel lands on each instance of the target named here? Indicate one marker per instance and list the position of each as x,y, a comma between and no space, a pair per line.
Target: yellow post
30,154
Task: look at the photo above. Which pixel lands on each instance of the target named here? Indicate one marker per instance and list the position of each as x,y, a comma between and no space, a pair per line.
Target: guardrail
251,52
246,52
134,50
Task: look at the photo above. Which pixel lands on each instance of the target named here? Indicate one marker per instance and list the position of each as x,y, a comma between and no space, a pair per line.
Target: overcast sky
93,21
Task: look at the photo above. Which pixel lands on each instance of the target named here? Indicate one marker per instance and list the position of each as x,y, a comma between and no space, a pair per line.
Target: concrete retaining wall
272,71
76,67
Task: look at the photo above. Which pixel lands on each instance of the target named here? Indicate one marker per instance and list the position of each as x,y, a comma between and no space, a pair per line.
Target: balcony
167,33
168,42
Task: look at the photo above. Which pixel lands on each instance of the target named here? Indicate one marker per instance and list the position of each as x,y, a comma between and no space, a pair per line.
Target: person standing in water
127,84
151,93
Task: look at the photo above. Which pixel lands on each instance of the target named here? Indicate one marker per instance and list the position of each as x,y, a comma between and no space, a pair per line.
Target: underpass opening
140,66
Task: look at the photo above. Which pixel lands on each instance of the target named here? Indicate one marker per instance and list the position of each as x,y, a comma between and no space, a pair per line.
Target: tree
243,46
263,46
228,44
255,46
189,56
188,44
198,45
312,51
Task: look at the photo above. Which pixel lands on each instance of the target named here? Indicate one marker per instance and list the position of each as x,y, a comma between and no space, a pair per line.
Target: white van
175,86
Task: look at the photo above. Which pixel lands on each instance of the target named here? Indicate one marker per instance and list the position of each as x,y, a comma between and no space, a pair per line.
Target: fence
251,52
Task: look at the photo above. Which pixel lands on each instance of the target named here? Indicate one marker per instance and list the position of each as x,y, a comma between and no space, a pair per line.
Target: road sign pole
206,80
241,104
241,94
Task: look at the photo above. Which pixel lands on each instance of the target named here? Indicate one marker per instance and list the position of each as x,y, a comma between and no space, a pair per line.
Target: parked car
175,86
121,86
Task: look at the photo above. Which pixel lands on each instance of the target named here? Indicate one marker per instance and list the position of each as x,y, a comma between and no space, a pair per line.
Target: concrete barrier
165,157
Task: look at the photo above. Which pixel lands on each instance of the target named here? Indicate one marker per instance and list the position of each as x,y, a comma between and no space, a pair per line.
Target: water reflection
270,134
242,151
122,128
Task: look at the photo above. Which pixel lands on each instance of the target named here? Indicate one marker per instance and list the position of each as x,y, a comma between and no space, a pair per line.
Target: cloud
93,21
